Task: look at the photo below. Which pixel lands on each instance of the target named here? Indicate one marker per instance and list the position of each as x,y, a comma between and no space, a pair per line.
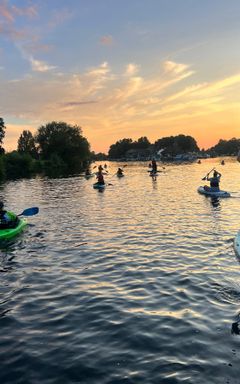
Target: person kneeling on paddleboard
100,178
214,181
7,220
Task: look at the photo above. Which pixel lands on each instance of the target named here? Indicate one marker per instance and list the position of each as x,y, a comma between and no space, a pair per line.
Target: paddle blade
30,211
205,177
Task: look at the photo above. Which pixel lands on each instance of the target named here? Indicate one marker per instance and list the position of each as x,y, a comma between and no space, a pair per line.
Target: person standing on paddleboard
214,181
154,166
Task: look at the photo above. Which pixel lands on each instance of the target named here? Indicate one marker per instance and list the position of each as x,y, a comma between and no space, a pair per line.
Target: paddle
29,211
204,178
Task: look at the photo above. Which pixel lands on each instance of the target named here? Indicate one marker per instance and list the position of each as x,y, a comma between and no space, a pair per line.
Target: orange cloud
110,106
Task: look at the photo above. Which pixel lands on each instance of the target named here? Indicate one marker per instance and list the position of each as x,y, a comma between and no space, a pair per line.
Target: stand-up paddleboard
208,192
99,186
237,244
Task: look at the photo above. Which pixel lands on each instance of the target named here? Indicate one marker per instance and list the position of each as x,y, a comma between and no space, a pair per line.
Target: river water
135,284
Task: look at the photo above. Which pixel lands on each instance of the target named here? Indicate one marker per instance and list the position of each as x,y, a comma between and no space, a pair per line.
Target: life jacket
8,220
3,217
214,182
100,178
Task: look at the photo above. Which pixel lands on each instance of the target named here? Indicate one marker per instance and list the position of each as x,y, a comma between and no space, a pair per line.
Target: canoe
99,186
220,193
237,244
8,233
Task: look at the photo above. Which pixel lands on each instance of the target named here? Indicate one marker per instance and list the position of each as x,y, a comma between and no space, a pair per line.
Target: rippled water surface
135,284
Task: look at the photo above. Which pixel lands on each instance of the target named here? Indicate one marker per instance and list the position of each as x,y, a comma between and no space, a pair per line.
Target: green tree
55,166
66,142
226,147
26,144
17,165
2,134
142,143
119,149
186,143
177,144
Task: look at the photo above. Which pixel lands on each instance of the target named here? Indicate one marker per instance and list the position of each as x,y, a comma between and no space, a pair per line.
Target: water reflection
142,273
215,202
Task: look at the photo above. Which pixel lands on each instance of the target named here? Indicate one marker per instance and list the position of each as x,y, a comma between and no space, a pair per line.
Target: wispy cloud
40,66
78,103
131,69
12,33
104,102
25,39
9,12
106,40
174,68
59,17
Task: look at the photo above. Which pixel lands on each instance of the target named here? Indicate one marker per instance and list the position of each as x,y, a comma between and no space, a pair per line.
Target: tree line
57,149
171,146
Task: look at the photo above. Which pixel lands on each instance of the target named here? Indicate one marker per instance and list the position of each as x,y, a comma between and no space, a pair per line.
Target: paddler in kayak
7,220
120,172
100,178
87,172
214,182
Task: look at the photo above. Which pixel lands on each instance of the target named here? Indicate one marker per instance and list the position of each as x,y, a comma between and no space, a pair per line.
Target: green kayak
8,233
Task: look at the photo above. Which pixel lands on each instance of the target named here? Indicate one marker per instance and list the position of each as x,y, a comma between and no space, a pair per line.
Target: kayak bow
8,233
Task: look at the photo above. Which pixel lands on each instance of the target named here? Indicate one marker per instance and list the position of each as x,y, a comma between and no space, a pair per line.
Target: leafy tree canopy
141,143
2,134
119,149
26,144
177,144
65,141
226,147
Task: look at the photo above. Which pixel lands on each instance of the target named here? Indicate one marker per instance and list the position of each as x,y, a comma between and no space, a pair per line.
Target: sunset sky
121,69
